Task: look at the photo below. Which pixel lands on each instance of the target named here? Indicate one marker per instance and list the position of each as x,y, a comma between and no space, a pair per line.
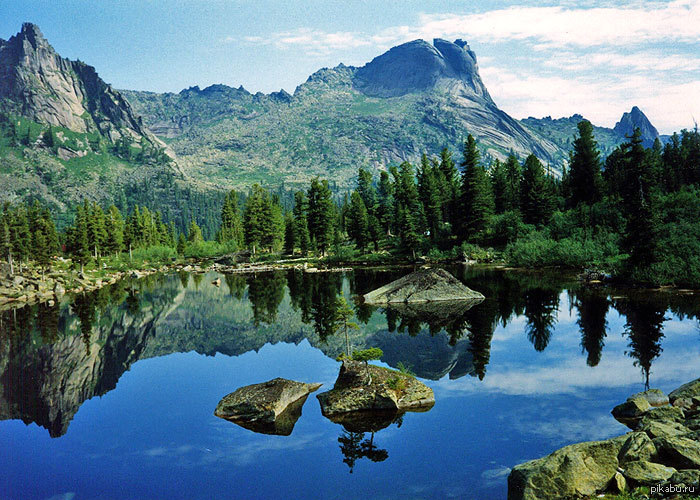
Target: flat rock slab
271,407
424,285
369,388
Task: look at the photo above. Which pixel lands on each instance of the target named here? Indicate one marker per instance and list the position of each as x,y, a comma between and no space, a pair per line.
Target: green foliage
397,383
400,366
585,182
367,354
476,201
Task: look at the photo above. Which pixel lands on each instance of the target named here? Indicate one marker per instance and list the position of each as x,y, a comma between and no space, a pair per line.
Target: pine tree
301,226
498,186
409,212
514,176
321,215
386,202
358,225
289,234
42,246
431,197
181,244
80,244
272,224
253,217
97,233
537,203
6,237
194,232
115,231
231,224
476,197
585,180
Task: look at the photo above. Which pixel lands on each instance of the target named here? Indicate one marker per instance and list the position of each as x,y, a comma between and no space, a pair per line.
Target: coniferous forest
632,215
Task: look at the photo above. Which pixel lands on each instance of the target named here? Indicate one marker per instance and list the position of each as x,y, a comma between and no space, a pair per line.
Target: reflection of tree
47,321
592,310
541,306
315,295
84,308
184,278
197,278
644,327
236,285
482,321
15,323
265,292
354,447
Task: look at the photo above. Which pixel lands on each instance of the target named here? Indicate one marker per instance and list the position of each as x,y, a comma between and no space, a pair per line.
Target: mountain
563,131
40,85
416,98
636,119
66,135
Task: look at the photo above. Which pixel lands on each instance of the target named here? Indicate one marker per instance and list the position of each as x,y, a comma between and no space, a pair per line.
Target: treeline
27,232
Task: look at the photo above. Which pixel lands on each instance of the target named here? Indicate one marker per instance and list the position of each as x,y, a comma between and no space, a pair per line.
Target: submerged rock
271,407
424,285
362,387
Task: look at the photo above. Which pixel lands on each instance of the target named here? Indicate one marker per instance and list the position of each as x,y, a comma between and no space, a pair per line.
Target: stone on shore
577,470
271,407
638,446
363,387
424,285
631,411
647,473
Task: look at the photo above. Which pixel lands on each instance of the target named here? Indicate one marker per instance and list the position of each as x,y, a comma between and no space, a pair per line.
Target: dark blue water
126,382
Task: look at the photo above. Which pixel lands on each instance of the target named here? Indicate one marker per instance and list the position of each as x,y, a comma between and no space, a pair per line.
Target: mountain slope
416,98
66,135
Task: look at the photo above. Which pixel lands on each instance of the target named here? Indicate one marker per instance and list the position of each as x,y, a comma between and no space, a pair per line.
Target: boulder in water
424,285
271,407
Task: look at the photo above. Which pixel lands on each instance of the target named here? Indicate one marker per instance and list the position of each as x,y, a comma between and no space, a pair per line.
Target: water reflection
53,357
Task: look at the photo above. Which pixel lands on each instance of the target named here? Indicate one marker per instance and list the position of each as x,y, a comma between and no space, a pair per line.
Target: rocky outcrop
39,84
637,119
663,451
424,285
362,387
271,407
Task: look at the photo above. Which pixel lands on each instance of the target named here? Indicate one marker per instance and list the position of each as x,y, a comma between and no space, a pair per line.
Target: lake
110,395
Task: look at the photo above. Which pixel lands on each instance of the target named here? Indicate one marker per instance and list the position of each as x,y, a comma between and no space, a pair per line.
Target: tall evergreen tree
476,197
253,217
537,203
386,202
301,224
358,225
231,224
115,231
194,232
289,234
431,197
321,215
498,186
409,217
585,180
514,177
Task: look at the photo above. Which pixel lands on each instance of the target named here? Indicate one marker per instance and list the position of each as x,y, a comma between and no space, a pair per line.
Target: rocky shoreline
662,451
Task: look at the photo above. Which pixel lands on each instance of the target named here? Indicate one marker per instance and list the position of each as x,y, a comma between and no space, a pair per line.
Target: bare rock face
424,285
39,84
271,407
362,387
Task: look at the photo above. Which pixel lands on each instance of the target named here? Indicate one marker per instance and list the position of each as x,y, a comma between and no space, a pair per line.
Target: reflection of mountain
46,383
427,356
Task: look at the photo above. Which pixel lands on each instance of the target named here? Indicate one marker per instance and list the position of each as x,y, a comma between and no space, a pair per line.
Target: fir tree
358,225
301,225
431,197
499,186
585,180
115,231
514,176
537,203
253,216
194,232
321,215
289,234
476,197
231,224
385,211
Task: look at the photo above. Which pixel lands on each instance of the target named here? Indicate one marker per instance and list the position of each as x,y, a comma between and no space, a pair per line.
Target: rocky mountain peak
39,84
637,119
418,66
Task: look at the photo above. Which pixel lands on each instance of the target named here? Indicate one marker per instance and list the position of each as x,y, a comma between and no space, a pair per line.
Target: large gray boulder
363,387
424,285
687,395
271,407
647,473
577,470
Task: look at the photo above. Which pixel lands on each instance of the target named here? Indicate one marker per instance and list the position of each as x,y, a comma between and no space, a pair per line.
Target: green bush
538,250
508,227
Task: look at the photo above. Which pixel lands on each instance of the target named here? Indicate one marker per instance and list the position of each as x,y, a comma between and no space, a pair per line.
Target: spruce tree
499,183
449,180
253,216
585,180
321,215
301,225
514,176
6,237
231,224
409,218
476,197
537,198
431,197
194,232
80,244
289,234
358,224
385,211
115,231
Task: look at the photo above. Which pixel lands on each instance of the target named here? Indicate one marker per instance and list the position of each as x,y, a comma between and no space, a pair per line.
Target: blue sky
597,58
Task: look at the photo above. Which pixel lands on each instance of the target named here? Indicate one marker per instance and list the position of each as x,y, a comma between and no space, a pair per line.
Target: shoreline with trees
633,217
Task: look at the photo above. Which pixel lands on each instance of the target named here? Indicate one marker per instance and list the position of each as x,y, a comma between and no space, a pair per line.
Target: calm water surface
111,395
